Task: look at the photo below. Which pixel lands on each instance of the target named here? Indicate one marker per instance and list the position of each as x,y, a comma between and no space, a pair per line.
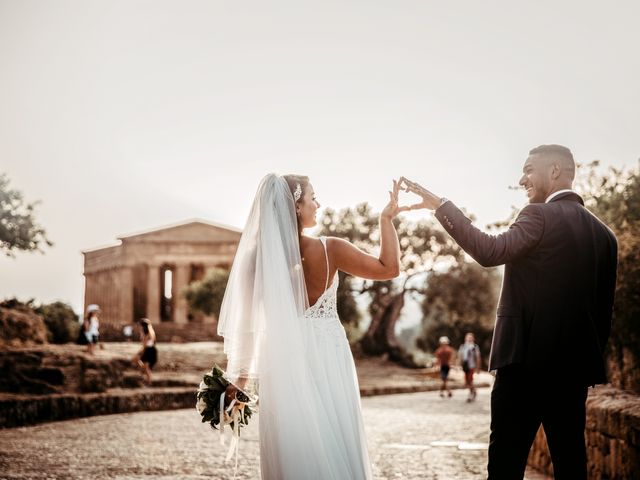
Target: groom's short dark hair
561,151
557,149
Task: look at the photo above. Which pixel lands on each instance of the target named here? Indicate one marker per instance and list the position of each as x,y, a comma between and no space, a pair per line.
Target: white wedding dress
296,356
338,400
335,447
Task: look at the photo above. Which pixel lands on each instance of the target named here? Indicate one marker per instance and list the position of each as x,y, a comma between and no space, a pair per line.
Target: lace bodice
323,314
327,305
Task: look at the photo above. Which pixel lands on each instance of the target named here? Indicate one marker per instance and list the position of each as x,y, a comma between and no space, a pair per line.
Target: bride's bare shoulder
311,246
337,241
337,245
307,241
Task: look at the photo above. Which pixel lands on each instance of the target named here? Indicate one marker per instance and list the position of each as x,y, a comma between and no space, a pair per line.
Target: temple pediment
193,231
146,274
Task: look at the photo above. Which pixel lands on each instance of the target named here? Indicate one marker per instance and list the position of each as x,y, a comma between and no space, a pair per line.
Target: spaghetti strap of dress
323,240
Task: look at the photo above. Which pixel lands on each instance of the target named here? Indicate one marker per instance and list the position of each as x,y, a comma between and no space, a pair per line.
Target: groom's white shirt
555,194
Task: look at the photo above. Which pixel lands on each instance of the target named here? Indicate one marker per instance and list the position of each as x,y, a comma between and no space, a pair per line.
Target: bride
283,337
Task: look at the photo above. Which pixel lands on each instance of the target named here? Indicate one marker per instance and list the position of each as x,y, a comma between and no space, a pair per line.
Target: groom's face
536,178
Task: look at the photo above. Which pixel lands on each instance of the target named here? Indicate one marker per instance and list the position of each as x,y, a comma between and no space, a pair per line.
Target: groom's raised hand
429,200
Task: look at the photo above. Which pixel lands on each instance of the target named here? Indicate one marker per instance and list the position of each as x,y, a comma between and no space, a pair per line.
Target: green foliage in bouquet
214,385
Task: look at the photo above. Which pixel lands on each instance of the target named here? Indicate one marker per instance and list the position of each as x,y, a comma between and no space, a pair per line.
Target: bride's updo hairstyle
293,181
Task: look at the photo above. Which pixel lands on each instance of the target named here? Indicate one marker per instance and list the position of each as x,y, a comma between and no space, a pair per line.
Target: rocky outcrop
41,370
58,382
19,410
21,327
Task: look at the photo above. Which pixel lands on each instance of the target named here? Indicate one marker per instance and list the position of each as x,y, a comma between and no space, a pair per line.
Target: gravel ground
411,436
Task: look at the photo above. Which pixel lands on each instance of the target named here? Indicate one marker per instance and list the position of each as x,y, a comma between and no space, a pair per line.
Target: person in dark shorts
147,357
443,356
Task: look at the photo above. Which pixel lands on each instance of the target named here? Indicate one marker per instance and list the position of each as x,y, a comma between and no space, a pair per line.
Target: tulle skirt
323,439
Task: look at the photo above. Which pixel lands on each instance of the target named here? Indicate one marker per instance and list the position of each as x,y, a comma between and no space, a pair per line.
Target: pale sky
122,116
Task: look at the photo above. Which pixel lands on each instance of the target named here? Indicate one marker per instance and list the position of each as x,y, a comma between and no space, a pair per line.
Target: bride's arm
350,259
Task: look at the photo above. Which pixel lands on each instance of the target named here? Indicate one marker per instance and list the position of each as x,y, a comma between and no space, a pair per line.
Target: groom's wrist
442,201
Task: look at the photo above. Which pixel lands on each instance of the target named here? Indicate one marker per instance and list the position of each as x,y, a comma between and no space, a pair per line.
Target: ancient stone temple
144,275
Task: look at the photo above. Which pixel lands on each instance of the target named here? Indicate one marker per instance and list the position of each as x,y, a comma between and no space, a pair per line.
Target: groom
554,313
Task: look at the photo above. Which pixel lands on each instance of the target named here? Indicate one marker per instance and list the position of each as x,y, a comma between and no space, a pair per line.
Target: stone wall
612,436
623,368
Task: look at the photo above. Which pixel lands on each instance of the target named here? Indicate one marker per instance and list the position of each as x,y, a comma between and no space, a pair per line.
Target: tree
61,322
56,321
614,197
206,295
18,227
424,245
458,300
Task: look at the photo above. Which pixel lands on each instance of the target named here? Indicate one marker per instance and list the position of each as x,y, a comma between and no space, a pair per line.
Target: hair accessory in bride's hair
298,193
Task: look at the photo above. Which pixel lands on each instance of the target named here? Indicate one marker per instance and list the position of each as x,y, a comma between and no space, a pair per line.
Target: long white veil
266,279
266,338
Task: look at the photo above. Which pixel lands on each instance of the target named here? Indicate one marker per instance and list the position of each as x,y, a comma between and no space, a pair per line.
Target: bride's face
308,208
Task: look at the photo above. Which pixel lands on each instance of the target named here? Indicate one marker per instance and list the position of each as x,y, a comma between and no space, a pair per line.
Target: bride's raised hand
392,209
429,200
350,259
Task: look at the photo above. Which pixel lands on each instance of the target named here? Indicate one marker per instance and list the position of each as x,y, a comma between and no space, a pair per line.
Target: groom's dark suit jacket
555,308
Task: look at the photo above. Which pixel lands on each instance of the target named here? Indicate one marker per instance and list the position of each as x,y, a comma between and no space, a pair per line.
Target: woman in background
147,357
91,327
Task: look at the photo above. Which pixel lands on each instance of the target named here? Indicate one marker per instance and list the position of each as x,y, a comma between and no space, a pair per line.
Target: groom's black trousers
520,402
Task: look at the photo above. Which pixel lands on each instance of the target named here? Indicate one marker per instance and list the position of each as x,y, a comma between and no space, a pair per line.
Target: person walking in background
469,356
443,356
91,327
147,357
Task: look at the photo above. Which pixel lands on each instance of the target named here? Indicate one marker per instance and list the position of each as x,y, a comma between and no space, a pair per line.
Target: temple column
125,293
182,275
153,293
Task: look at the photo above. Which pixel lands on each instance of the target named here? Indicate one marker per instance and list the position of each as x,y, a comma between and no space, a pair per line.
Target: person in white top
91,327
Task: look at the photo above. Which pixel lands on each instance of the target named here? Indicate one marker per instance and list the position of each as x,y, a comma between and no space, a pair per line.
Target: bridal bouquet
214,409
